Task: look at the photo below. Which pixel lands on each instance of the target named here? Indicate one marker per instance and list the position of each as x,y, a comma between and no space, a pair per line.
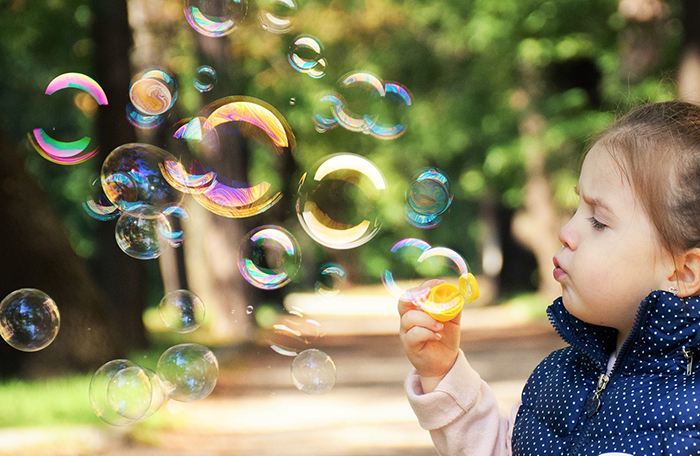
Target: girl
628,382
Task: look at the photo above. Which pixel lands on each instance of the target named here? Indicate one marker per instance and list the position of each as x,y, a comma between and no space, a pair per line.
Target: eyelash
596,224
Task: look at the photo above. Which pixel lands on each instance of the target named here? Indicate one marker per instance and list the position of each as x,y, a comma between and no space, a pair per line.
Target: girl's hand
432,347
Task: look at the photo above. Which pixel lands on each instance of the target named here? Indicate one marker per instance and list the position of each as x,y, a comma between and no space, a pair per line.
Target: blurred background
506,95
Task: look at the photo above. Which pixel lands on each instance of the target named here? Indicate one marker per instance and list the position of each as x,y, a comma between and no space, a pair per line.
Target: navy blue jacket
650,403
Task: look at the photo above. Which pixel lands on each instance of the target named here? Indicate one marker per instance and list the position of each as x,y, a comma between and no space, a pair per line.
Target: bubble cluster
205,78
122,392
188,372
338,201
215,18
364,103
152,92
330,281
306,55
313,372
181,311
269,257
428,197
70,152
29,319
227,122
276,15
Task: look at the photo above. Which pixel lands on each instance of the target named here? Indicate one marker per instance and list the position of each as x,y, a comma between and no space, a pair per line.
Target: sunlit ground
255,408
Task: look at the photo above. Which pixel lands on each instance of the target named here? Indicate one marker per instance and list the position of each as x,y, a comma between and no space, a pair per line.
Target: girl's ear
686,276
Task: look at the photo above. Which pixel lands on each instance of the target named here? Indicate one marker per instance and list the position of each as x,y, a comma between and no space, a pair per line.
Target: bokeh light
188,372
181,311
269,257
29,319
338,201
313,372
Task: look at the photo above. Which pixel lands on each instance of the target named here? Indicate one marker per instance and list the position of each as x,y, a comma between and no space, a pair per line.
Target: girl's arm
462,413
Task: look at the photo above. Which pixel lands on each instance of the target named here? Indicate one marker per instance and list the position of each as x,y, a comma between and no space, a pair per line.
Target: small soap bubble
172,231
181,311
153,91
249,310
338,201
205,78
306,56
294,333
402,273
428,197
269,257
331,279
99,206
276,15
188,372
29,319
129,392
138,233
292,101
215,18
99,392
313,372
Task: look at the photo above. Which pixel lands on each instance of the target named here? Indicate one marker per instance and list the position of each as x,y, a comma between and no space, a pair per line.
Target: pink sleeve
462,414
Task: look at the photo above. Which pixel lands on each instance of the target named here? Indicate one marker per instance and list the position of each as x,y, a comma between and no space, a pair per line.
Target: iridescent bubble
230,121
141,120
215,17
249,310
331,279
428,197
292,101
189,129
360,92
181,311
205,79
269,257
78,81
153,91
338,201
324,118
138,233
276,15
402,273
99,392
131,176
294,333
313,372
188,372
389,123
129,392
172,231
100,207
29,319
306,56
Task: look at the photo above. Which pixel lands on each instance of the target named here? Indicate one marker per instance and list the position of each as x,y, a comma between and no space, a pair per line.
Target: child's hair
658,149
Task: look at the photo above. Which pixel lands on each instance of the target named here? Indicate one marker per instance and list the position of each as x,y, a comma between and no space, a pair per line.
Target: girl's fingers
418,336
405,306
417,318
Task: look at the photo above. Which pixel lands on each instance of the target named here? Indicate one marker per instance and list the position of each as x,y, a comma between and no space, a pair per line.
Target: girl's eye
596,224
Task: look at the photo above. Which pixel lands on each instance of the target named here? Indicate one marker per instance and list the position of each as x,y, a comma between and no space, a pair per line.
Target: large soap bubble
269,257
29,319
229,125
338,201
215,17
131,176
313,372
188,372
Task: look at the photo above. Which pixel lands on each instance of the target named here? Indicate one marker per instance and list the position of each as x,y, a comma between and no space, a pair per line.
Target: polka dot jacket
648,405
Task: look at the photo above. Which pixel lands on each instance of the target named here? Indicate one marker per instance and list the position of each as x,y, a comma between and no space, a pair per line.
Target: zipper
688,355
593,404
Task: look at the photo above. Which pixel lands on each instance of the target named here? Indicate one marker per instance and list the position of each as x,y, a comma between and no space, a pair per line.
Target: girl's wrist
429,384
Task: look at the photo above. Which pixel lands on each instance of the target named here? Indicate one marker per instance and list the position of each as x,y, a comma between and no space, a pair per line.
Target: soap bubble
269,257
78,81
153,91
428,197
313,372
249,310
188,372
99,392
276,15
189,129
138,233
390,122
402,274
100,207
205,79
338,201
229,122
306,56
141,120
181,311
131,176
331,279
172,231
215,18
29,319
294,333
129,392
359,92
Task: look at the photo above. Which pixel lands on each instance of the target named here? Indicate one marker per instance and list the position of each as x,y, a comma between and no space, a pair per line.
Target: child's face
611,258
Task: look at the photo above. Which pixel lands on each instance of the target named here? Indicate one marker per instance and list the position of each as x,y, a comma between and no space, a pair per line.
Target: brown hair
658,148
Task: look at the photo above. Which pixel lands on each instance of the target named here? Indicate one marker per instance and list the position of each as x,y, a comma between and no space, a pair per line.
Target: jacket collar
664,324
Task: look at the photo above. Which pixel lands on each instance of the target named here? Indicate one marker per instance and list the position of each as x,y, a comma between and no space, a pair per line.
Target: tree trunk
36,253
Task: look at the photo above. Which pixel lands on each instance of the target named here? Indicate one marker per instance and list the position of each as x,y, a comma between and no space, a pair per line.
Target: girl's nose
567,236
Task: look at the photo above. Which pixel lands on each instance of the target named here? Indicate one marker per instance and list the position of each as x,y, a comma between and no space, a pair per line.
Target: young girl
629,268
